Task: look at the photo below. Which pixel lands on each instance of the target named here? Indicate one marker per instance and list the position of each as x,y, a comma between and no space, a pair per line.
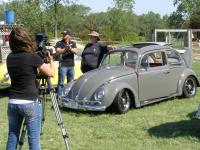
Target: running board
150,101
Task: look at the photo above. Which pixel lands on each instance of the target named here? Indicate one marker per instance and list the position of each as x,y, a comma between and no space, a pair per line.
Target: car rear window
154,59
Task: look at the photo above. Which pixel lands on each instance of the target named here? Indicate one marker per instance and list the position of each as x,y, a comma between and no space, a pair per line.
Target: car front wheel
122,102
189,87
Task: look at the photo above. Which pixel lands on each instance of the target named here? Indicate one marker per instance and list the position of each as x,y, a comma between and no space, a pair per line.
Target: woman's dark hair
21,41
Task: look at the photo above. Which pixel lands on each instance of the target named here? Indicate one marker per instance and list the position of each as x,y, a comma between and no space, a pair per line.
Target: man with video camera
66,48
23,64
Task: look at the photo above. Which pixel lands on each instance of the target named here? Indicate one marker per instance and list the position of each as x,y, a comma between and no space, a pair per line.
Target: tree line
118,23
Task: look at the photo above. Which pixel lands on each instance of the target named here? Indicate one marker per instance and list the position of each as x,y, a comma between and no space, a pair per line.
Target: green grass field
166,125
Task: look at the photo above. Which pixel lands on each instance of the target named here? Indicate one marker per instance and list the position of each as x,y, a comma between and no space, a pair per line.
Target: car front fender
113,89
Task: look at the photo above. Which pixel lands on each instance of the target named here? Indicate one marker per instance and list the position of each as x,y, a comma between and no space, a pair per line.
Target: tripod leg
57,113
59,119
42,92
43,103
22,136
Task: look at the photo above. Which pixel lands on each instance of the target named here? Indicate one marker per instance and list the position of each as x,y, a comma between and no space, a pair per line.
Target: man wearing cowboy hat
66,49
93,53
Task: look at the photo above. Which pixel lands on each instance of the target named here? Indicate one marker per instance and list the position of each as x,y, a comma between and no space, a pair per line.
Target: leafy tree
27,12
195,20
122,24
124,5
148,22
2,11
118,23
76,18
55,4
189,11
186,7
121,19
70,17
176,21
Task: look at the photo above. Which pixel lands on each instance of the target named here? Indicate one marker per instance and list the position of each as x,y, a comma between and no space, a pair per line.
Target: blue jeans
32,115
62,73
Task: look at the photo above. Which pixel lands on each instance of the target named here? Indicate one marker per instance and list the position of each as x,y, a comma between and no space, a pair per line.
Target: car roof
142,44
143,49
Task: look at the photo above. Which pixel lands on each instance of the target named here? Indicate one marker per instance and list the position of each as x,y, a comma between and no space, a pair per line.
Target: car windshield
127,58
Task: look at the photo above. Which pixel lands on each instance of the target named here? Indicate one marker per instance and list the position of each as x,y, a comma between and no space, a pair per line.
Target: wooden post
155,34
189,38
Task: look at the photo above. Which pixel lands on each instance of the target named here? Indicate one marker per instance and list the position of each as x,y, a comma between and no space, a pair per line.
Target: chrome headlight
6,76
99,94
66,90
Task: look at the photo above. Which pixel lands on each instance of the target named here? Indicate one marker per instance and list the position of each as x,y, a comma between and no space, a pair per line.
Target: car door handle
166,72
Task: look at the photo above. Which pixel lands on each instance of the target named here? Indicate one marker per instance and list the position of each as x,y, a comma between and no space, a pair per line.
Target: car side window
155,59
130,59
113,59
173,58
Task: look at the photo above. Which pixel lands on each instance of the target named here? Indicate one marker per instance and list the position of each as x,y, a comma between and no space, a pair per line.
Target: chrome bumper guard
82,104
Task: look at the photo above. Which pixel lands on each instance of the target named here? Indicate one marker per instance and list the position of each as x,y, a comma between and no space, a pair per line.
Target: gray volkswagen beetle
132,76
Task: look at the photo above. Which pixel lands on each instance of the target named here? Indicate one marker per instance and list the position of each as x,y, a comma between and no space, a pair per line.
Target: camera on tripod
42,42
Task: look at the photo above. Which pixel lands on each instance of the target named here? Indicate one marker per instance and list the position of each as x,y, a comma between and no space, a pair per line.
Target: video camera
42,42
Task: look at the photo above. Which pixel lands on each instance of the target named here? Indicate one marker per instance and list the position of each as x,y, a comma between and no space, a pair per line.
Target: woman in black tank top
22,65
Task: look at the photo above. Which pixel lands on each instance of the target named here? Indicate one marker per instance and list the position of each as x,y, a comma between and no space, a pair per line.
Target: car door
153,76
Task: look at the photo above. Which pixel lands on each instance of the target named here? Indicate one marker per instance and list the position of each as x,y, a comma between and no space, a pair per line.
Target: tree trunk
56,19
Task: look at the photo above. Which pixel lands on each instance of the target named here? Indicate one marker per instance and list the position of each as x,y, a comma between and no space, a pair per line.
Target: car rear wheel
189,87
122,102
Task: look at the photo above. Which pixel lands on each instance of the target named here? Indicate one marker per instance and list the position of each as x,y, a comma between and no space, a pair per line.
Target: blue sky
142,6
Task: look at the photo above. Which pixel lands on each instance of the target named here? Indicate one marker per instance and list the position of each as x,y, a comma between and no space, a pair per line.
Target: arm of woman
46,69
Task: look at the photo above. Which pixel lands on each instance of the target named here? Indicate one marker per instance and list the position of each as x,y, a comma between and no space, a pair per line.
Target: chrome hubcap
125,100
190,86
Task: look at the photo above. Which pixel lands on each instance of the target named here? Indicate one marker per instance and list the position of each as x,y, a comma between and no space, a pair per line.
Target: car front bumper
82,105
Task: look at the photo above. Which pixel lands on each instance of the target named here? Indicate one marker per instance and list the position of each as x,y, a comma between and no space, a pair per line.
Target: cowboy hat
95,34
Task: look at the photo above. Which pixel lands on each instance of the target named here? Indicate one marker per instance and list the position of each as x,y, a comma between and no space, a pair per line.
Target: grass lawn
166,125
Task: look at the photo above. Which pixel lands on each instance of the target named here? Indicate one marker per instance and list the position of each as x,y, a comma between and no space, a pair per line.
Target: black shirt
92,56
22,68
67,59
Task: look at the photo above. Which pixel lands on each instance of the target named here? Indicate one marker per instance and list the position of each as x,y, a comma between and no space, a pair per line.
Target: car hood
87,84
4,76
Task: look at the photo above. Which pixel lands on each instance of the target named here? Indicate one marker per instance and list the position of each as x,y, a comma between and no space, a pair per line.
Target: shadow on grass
177,129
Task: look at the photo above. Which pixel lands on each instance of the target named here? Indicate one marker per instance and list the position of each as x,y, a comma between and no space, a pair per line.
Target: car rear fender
118,86
186,73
